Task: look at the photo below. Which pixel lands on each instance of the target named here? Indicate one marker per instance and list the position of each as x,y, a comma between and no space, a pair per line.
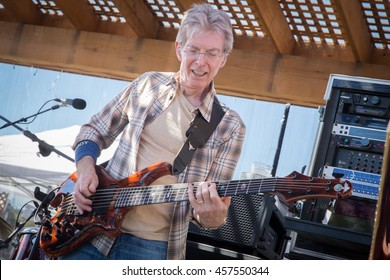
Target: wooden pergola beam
24,11
275,25
138,17
187,4
79,14
256,75
351,16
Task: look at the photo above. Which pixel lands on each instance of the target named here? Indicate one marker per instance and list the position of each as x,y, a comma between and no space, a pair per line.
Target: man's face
200,60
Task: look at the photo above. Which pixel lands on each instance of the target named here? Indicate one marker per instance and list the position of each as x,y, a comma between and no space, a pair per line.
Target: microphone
76,103
39,195
44,198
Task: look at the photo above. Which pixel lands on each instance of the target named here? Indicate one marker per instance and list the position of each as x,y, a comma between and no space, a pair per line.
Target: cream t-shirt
161,140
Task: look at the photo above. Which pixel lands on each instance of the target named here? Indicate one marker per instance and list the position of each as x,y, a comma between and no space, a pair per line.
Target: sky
24,90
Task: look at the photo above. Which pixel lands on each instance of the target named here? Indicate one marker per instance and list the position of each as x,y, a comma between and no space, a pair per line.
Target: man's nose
201,59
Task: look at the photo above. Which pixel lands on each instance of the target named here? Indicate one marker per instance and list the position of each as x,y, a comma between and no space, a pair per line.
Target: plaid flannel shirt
133,109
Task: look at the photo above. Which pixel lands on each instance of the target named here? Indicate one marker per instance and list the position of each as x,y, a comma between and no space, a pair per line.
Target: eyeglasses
194,53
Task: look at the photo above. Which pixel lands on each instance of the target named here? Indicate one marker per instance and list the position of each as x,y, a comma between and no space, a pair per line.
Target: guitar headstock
297,187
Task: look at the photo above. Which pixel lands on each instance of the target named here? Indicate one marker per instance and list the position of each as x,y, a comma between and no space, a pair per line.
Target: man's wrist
86,148
211,228
206,227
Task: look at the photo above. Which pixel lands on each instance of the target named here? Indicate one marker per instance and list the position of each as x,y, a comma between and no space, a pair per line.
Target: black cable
39,110
20,211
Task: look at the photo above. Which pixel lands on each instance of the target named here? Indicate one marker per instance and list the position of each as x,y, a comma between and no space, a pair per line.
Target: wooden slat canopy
284,50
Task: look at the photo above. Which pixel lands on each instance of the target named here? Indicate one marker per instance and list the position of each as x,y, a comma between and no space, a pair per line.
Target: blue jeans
126,247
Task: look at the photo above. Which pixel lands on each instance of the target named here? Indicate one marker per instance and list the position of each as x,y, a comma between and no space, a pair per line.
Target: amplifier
350,144
357,144
254,227
241,222
360,132
353,153
363,108
364,184
319,241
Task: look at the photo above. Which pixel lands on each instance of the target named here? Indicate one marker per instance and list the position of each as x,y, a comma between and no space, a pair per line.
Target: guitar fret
139,197
154,196
132,196
222,188
119,198
168,193
245,186
122,197
161,197
182,192
145,197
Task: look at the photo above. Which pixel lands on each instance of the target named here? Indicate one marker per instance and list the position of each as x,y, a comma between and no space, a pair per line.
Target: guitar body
68,229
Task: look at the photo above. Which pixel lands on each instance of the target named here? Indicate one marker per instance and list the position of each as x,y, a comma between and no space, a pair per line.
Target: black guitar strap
197,135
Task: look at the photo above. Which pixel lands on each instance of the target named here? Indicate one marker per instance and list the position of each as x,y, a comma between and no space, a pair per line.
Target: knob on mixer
365,142
374,100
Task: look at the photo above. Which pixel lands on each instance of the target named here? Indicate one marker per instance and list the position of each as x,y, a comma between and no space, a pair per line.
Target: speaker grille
241,222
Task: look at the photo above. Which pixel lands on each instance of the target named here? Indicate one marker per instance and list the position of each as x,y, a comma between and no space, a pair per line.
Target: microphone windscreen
79,104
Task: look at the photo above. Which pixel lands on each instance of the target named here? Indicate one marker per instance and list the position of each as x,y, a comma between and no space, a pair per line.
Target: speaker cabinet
254,227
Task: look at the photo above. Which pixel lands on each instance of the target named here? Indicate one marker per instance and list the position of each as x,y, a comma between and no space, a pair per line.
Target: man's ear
223,61
178,51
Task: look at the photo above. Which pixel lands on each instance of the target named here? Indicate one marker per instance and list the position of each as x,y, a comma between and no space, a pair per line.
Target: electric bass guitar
68,229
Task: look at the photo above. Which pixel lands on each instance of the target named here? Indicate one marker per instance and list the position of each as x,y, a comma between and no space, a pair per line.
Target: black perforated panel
241,223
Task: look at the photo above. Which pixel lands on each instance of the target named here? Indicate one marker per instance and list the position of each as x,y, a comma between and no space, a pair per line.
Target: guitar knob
66,223
46,235
47,224
59,234
78,226
69,230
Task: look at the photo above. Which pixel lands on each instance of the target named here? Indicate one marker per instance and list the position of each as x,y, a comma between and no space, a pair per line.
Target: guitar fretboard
145,195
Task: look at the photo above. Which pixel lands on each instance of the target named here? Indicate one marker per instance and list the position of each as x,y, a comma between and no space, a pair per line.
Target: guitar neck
157,194
292,188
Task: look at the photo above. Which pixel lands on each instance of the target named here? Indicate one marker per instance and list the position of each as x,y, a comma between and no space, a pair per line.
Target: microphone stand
43,212
44,216
4,243
280,140
34,138
9,123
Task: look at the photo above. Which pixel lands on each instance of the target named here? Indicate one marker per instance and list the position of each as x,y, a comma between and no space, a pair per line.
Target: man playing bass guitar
152,116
